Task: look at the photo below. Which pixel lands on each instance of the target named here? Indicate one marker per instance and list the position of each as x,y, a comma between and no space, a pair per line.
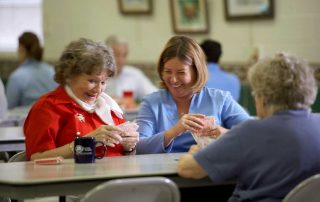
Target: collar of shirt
103,107
214,67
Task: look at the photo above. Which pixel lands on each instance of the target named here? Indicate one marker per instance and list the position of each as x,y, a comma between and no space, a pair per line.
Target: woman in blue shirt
166,117
33,77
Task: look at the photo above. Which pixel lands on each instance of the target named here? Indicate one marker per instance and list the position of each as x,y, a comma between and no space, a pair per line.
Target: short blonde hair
284,81
188,51
84,56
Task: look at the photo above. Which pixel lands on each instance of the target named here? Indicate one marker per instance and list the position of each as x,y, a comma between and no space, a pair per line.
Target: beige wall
296,28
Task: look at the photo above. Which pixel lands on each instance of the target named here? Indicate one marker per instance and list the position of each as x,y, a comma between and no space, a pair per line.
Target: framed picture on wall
248,9
135,7
189,16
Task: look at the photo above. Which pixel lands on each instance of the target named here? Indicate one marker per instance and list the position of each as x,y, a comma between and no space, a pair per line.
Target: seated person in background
78,106
253,58
3,103
166,117
271,155
217,77
32,78
128,79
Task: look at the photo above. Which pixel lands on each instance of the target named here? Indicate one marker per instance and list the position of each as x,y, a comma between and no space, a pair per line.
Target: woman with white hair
271,155
127,78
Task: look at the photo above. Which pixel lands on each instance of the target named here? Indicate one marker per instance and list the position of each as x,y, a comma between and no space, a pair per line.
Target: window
16,17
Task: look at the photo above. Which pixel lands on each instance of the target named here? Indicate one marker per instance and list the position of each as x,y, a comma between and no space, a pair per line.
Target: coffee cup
85,150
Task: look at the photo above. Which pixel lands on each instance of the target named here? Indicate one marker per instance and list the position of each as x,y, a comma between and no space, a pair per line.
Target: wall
295,28
97,19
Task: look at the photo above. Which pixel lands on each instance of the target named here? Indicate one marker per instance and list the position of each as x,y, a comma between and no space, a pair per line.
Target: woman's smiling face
178,77
88,87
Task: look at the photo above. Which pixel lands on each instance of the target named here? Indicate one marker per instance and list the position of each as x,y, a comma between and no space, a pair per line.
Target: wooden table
11,139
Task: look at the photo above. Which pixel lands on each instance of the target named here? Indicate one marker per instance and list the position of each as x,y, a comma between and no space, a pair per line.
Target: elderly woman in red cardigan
78,107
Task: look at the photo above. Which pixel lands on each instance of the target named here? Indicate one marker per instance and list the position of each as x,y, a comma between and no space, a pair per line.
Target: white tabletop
16,116
25,179
109,167
12,139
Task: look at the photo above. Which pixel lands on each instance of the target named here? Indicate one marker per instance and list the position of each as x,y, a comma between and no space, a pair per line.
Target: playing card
209,124
129,126
201,136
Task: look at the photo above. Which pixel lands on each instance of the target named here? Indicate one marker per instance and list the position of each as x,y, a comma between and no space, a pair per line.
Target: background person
268,156
253,58
219,78
3,103
166,117
127,78
33,77
78,107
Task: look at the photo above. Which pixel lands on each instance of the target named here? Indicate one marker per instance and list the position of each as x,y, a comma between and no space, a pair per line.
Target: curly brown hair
84,56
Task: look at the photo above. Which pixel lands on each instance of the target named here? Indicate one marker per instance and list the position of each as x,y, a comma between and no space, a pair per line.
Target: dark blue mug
85,150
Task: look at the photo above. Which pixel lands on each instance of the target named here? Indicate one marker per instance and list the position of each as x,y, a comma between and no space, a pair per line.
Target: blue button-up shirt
158,113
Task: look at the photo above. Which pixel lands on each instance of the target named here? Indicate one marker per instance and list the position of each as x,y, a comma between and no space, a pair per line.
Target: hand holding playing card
208,125
203,136
128,126
130,136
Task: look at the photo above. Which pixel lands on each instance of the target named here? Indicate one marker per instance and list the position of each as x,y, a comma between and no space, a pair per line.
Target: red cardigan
53,121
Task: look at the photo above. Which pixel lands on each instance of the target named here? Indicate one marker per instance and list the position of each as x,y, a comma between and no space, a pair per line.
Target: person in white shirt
128,78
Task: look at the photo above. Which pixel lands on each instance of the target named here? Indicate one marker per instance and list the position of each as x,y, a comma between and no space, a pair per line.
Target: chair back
20,156
142,189
306,191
